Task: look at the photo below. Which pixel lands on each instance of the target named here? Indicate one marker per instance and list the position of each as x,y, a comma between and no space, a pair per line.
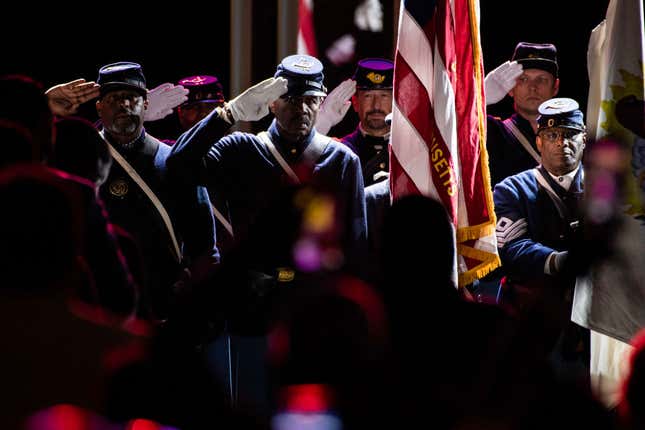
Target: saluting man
250,171
172,224
370,89
530,78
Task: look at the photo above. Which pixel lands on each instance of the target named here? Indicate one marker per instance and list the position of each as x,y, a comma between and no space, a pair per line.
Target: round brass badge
118,188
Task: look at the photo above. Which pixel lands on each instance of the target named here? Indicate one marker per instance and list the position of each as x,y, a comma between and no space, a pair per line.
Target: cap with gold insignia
374,74
560,112
541,56
304,75
203,88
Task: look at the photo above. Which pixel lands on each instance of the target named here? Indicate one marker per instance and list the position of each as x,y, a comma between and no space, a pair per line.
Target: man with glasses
538,217
530,77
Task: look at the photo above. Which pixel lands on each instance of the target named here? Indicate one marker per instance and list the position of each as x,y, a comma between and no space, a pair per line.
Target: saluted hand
335,106
501,80
163,99
64,99
253,104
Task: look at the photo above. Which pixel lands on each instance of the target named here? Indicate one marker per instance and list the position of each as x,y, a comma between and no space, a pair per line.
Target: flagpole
287,28
241,37
395,24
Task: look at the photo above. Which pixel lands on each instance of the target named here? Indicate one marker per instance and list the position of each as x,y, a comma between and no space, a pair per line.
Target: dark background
59,43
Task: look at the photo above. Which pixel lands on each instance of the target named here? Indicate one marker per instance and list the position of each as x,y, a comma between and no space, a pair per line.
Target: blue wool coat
529,226
373,152
188,208
240,169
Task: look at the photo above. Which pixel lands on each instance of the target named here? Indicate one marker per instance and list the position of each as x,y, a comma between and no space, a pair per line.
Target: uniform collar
566,180
289,148
133,146
386,136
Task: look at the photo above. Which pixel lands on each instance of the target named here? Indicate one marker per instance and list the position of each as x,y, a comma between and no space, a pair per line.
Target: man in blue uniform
250,171
538,216
172,224
205,93
531,77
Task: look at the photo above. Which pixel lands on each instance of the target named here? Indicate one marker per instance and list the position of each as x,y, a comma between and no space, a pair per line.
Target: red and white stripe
306,34
438,135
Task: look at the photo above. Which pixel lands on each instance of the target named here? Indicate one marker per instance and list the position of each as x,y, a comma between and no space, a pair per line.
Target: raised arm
187,159
64,99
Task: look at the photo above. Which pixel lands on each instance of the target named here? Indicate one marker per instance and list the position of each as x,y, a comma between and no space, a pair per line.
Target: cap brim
314,93
295,92
573,127
192,102
374,87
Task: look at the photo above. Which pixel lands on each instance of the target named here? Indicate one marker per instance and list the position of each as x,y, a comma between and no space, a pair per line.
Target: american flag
438,129
306,35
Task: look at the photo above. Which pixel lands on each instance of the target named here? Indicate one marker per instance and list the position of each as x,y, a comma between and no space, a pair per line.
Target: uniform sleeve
187,160
353,184
197,223
521,256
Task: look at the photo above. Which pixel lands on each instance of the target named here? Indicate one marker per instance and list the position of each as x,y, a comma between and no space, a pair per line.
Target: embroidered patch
508,230
376,78
303,63
195,80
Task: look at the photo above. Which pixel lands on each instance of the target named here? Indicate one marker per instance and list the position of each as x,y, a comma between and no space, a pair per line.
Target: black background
59,43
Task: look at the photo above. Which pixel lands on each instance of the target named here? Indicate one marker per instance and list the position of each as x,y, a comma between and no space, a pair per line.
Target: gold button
293,151
285,274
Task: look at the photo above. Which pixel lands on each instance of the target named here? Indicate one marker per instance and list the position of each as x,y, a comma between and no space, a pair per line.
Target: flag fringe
489,262
483,153
475,231
476,273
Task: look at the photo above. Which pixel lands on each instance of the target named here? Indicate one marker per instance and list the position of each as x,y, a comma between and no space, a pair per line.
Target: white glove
253,104
163,99
501,80
335,106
